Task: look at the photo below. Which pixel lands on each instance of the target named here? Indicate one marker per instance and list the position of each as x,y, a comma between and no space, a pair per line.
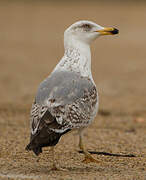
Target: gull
67,99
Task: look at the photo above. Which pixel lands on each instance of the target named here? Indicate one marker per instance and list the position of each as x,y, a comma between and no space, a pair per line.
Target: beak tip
115,31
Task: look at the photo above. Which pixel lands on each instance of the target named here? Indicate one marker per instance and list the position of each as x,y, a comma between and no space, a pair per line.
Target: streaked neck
77,57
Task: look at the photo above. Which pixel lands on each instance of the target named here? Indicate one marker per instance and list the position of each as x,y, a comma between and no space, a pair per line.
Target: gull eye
86,27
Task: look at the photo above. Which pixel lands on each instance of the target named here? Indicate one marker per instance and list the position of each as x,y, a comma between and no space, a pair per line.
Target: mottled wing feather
77,114
70,98
37,112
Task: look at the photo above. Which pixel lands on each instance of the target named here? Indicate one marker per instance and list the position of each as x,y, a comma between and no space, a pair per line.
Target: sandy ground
30,46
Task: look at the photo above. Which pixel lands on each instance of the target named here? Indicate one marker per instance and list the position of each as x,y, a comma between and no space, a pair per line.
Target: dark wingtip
28,148
36,150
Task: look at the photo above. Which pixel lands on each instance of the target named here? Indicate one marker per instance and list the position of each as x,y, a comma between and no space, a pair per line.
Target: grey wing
70,98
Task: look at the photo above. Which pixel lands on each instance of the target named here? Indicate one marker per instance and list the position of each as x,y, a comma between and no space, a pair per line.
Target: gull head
87,31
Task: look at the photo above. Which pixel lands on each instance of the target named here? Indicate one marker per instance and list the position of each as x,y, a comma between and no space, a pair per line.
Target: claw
55,168
90,159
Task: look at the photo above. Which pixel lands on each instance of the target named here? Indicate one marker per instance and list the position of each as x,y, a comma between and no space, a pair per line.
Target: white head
86,31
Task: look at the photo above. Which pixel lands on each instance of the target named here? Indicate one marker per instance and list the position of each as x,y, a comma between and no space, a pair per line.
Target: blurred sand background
31,44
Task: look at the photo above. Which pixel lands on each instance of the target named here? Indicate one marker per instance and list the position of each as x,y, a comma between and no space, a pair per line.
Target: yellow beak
108,31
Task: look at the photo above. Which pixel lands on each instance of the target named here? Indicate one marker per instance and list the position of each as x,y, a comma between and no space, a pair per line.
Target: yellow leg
54,166
88,157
